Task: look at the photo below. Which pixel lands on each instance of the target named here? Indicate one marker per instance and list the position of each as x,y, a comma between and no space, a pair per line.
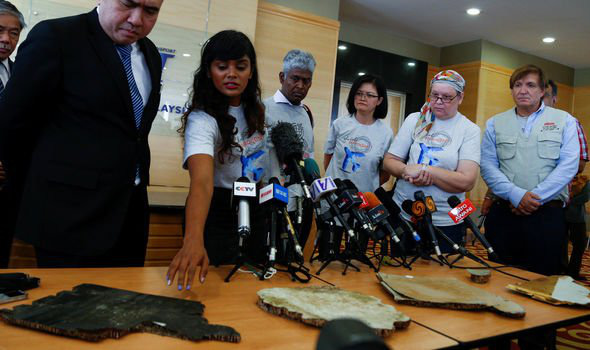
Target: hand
412,171
529,203
486,205
424,179
191,255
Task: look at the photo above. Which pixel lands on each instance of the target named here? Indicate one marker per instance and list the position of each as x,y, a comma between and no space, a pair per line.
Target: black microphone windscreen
387,199
287,142
453,201
274,180
419,196
350,185
243,179
407,206
340,186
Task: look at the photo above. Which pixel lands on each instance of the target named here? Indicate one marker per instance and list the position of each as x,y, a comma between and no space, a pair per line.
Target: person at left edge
74,122
11,24
223,141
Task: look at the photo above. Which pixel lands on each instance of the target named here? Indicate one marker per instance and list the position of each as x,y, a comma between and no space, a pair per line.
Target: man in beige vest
529,155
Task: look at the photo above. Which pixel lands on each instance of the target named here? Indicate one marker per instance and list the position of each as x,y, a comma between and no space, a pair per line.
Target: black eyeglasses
444,99
367,95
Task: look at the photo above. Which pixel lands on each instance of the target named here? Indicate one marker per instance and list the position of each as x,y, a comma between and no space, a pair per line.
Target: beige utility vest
526,161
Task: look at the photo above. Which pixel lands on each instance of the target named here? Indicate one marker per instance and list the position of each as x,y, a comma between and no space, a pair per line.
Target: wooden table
469,328
231,304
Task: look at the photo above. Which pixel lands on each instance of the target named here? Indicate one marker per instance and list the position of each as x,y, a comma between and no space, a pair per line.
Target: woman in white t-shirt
437,151
223,140
357,143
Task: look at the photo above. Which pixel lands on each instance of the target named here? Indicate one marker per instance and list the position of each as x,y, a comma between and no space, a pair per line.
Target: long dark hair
226,45
381,109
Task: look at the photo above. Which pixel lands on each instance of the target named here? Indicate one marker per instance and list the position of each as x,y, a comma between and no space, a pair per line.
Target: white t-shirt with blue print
202,136
447,142
357,151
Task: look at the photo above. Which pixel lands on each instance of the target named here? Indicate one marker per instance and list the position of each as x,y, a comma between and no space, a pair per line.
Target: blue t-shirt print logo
425,153
351,158
248,166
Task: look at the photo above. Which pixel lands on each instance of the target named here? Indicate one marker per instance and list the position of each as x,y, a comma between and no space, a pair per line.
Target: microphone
348,201
351,186
276,196
379,214
289,149
460,212
322,188
244,191
425,205
387,200
291,230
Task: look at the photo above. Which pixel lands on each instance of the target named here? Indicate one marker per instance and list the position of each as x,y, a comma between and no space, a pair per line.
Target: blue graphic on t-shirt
248,166
425,152
351,158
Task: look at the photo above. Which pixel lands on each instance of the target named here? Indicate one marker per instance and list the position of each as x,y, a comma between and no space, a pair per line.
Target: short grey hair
7,8
298,59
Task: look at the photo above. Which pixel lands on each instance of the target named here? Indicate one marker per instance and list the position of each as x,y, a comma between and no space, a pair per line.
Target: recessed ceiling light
411,64
342,47
548,40
362,73
186,54
473,11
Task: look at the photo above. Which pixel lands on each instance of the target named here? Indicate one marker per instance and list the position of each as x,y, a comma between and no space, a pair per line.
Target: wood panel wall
581,104
192,14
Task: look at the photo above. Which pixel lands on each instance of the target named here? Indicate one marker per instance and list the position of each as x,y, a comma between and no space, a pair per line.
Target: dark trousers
577,234
8,214
221,231
455,232
533,242
128,251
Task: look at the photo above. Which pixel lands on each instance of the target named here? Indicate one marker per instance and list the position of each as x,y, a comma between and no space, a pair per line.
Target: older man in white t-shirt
286,106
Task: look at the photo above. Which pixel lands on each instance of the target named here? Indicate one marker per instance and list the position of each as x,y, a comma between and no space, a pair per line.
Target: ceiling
518,24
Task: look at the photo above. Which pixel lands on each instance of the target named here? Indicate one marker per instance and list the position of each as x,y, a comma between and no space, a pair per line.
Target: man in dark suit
11,24
74,124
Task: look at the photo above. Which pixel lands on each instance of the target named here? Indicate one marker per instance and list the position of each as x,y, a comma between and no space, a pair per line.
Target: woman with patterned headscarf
437,151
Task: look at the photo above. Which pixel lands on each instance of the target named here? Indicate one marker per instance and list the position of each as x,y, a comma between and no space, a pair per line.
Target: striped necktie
3,68
136,100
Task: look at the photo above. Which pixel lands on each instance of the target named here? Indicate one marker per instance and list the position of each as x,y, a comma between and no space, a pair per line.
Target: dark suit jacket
67,130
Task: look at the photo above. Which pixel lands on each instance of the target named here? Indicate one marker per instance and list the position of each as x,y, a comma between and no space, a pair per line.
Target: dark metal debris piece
92,312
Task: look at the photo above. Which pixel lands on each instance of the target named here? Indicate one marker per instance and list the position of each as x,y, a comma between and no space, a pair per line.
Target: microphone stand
422,252
334,252
388,243
282,226
354,250
460,250
242,259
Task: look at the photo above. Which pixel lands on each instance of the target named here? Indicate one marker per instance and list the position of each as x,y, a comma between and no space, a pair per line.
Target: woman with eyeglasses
356,143
437,151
